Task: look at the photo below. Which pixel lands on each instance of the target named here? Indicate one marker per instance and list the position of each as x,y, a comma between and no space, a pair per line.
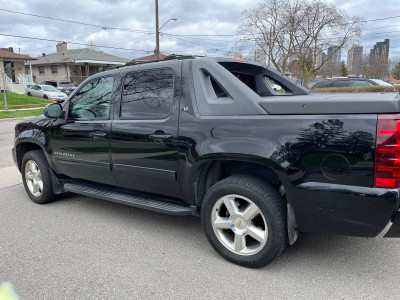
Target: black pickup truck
210,137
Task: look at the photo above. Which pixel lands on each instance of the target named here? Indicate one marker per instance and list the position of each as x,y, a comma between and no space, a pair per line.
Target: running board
136,201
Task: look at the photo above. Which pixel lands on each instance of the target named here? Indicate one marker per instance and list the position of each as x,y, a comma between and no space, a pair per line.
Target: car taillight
387,156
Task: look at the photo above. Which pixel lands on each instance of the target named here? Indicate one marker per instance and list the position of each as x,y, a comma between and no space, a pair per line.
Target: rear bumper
346,210
393,228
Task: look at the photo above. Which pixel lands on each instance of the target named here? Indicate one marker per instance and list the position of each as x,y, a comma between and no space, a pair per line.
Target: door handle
160,136
98,134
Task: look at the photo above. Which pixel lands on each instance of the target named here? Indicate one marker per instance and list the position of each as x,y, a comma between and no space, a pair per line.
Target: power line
380,19
74,22
387,32
82,44
142,36
66,42
195,38
381,27
215,48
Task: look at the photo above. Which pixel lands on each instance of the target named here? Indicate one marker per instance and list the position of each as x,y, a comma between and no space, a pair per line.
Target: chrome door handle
160,136
98,134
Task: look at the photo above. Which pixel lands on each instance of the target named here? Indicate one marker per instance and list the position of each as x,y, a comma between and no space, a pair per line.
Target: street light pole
157,33
158,28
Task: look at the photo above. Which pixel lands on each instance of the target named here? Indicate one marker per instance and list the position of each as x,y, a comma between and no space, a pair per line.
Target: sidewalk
30,108
9,176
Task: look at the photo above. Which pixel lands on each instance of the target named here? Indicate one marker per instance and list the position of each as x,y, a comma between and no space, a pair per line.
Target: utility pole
157,33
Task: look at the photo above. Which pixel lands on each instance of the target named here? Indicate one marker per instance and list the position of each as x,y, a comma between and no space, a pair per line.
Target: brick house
13,63
150,57
74,65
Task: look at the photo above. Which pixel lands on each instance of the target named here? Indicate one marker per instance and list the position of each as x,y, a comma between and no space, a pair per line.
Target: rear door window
361,83
340,83
147,94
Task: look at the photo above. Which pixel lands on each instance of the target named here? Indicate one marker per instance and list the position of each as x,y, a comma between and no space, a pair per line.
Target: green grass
14,99
21,113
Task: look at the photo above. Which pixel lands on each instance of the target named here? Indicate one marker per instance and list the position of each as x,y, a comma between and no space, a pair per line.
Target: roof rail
168,57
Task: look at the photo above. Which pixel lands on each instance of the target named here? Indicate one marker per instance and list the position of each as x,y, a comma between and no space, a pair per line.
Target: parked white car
46,92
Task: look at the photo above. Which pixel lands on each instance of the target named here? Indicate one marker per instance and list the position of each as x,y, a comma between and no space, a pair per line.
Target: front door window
93,100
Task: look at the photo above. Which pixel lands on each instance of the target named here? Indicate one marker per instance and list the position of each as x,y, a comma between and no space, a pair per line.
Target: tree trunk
306,77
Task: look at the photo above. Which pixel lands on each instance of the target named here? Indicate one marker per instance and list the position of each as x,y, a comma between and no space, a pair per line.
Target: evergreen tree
345,73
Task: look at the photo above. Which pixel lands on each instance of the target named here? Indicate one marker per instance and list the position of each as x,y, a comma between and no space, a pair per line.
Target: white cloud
196,17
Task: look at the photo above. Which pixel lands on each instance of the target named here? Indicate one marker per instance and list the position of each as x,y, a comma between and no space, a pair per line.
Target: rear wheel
244,219
36,177
29,94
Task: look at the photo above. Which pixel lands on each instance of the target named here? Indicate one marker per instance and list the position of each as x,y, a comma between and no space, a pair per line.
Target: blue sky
195,18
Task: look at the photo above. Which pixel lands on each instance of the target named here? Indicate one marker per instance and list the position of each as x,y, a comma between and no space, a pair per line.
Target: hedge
360,89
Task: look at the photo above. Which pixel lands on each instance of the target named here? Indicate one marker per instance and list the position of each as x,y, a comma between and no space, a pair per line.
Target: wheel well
218,170
23,148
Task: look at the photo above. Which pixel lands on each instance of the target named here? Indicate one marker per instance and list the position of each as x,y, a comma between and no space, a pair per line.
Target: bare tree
92,46
236,53
329,69
365,65
270,27
298,29
378,67
394,64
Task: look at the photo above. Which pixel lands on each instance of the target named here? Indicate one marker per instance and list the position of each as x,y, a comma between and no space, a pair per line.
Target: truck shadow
311,250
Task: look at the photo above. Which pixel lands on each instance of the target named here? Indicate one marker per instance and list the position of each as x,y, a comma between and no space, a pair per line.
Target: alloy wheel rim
239,224
33,178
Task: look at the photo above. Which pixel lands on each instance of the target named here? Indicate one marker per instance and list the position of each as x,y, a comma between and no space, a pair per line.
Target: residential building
74,65
258,55
13,63
337,57
354,60
380,50
150,57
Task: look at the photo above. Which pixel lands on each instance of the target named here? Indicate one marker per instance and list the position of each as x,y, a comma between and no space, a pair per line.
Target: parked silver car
47,92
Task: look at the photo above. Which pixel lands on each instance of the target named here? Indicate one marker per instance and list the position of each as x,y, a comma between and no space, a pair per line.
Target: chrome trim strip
385,230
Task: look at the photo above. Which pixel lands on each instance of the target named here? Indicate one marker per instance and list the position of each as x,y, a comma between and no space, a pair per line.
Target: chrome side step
162,206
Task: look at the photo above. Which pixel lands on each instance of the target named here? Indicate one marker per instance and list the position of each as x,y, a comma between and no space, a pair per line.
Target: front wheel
244,219
36,177
46,97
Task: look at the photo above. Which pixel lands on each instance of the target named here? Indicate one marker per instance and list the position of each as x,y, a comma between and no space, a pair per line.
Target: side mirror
52,110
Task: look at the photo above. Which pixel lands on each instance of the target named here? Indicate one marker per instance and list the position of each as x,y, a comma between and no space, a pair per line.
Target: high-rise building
354,59
258,55
323,57
380,50
337,57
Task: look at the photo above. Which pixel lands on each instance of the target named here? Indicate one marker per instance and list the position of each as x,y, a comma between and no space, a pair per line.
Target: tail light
387,156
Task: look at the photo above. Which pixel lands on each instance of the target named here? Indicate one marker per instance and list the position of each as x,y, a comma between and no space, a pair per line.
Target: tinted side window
148,94
361,83
320,85
341,83
93,100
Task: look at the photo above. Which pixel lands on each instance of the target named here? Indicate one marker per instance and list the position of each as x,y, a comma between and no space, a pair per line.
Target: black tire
45,97
272,208
29,94
46,193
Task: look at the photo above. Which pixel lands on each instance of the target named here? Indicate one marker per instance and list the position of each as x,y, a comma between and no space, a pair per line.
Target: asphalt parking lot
85,248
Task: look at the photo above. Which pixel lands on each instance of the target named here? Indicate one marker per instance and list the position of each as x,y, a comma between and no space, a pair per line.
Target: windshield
65,84
381,82
49,88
